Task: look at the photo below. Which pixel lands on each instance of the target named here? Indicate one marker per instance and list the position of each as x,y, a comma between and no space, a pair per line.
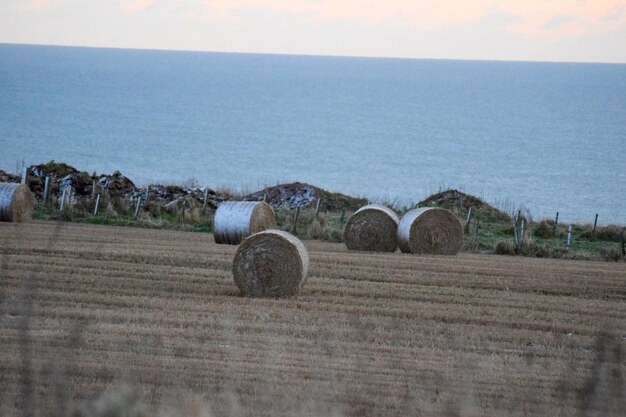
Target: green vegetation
544,240
56,169
119,212
488,231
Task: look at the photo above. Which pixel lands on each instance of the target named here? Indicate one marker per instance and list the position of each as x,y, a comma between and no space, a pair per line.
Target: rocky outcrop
460,202
62,176
118,186
6,177
175,196
302,195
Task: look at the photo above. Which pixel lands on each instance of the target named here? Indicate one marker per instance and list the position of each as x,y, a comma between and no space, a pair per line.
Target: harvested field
84,309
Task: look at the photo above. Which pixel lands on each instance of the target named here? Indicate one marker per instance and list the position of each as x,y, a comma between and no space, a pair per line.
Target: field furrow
86,309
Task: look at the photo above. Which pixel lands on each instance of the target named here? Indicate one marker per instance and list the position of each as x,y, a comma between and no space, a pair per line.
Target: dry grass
88,309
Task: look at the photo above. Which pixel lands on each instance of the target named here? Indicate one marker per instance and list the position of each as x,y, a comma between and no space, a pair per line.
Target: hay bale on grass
372,228
429,230
271,263
236,220
16,203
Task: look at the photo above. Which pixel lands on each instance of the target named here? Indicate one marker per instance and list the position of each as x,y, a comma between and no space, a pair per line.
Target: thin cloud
558,21
614,15
35,4
534,18
136,6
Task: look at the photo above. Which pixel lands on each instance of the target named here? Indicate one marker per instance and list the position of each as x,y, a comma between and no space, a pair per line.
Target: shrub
504,247
315,230
611,233
531,248
611,254
332,234
545,229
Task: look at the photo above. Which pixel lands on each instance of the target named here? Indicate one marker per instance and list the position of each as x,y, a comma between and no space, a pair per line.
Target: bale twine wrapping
429,230
236,220
271,263
372,228
16,203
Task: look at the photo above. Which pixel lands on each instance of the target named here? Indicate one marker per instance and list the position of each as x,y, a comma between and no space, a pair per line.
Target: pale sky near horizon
535,30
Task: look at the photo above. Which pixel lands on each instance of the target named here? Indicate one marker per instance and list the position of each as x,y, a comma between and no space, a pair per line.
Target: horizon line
314,55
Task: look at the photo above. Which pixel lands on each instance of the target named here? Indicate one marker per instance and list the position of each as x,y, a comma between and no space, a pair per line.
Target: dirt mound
117,184
6,177
302,195
174,195
53,169
62,176
460,203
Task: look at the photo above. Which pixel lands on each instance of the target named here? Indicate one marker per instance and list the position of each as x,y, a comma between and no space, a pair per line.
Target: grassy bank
486,232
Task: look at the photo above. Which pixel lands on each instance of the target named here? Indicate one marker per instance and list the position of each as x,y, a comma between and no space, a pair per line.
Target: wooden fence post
46,190
515,237
95,210
476,231
295,220
467,222
569,236
63,195
137,206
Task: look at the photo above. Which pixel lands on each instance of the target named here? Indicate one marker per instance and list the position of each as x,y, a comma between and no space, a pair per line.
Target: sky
528,30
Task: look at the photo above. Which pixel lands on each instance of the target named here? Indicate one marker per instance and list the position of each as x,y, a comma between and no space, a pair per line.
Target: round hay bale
427,230
372,228
271,263
236,220
16,203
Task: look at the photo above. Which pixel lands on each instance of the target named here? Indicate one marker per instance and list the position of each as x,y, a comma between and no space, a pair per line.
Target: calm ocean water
549,136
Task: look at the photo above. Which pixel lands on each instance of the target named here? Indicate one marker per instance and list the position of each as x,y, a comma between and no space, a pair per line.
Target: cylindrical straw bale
16,203
271,263
236,220
372,228
430,230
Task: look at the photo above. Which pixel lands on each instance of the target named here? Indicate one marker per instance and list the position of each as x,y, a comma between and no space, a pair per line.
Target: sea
543,137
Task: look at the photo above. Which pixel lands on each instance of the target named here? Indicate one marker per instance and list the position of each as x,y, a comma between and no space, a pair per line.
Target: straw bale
430,231
16,203
236,220
372,228
271,263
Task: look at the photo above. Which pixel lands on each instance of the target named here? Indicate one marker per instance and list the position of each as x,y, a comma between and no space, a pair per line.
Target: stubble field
153,319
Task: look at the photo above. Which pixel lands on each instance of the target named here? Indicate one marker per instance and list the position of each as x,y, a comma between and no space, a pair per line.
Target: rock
62,176
117,185
457,201
6,177
52,169
302,195
80,182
